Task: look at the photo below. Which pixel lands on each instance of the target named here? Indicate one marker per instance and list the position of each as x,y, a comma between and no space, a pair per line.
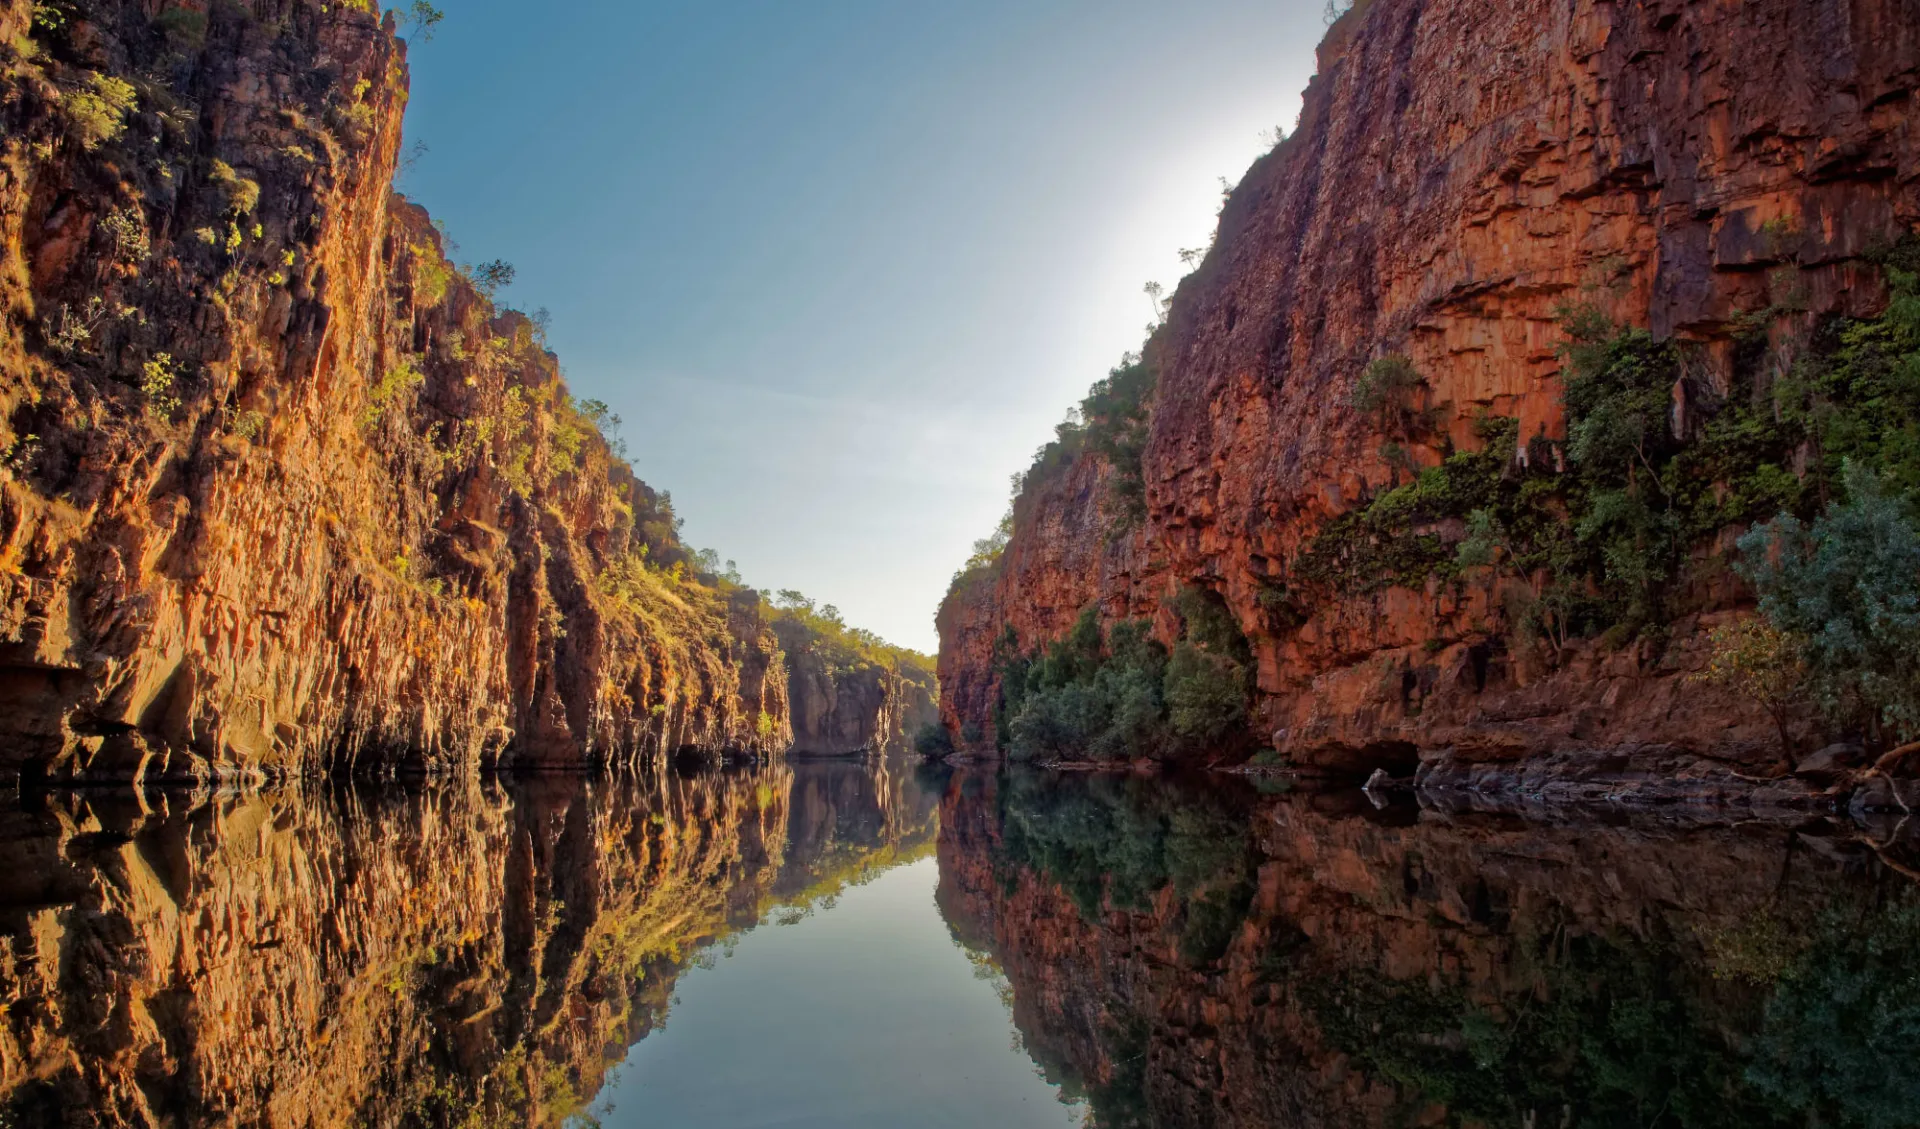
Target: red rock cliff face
281,492
1460,170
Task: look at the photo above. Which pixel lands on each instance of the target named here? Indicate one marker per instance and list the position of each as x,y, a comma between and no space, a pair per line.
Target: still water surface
869,945
867,1014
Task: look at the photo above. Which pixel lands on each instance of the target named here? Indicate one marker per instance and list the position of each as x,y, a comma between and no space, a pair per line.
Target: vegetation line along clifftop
282,488
1547,409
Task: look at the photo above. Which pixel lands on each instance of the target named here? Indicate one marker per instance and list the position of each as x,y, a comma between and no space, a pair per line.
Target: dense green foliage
1605,527
933,742
1097,695
1601,523
1846,590
1395,539
1845,587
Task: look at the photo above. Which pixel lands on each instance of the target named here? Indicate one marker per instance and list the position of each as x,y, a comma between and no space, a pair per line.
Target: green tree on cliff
1848,584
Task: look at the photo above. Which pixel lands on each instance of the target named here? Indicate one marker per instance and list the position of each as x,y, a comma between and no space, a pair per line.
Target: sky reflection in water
865,1014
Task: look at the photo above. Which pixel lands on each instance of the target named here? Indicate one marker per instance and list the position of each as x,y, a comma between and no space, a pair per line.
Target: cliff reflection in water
1206,956
477,954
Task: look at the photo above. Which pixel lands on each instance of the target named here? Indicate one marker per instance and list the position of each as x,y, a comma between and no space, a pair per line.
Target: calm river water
876,945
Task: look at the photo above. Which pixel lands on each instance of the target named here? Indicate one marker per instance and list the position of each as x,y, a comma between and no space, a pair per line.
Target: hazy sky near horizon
841,266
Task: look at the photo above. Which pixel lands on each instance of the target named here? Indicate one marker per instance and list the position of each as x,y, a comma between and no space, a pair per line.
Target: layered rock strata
283,491
1462,172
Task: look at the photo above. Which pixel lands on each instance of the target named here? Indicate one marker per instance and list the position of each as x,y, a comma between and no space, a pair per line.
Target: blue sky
842,265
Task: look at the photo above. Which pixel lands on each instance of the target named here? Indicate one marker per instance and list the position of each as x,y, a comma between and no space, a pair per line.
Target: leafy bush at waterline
1107,696
933,742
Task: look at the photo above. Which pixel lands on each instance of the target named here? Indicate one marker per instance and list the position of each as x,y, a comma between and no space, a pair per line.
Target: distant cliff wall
846,702
1719,175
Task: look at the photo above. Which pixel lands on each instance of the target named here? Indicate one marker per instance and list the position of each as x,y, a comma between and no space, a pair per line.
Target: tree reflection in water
1180,952
1196,954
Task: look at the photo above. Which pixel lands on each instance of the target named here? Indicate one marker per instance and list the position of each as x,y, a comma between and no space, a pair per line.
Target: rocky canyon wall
1714,172
871,707
284,491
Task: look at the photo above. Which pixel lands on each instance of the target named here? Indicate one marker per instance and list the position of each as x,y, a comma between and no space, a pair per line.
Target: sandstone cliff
850,691
873,708
1461,176
283,490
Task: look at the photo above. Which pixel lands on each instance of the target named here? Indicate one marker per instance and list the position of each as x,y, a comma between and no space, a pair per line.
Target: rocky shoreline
1836,782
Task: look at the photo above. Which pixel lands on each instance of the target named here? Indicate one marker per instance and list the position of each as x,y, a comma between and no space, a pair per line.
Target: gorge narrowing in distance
1460,667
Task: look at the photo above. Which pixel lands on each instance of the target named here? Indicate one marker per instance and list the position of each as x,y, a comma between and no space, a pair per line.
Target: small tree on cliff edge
422,19
490,278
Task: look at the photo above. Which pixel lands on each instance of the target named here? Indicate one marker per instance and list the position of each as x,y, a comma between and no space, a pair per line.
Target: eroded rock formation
1460,173
869,707
284,491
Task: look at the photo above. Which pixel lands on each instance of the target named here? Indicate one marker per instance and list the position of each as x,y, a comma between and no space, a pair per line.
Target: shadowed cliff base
1580,443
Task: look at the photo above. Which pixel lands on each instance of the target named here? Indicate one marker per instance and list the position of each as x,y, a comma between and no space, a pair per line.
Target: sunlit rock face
282,492
1194,957
446,956
1460,171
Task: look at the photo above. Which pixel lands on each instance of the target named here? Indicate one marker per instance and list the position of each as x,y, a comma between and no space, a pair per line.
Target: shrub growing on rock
1848,584
1094,696
240,194
97,110
1757,660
